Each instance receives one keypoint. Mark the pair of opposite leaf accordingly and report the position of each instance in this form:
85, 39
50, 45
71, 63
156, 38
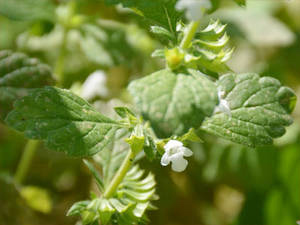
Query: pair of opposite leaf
173, 103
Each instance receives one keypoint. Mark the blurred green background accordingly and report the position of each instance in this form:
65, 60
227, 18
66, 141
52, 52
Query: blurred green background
224, 183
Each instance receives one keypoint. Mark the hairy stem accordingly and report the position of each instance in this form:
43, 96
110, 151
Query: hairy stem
119, 176
25, 161
189, 34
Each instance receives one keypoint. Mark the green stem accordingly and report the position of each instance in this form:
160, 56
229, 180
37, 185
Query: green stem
25, 161
60, 62
189, 34
119, 176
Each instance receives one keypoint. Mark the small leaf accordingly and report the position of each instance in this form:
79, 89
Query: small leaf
260, 109
37, 198
128, 205
160, 53
160, 31
65, 121
191, 135
137, 139
173, 103
18, 75
124, 112
78, 208
149, 146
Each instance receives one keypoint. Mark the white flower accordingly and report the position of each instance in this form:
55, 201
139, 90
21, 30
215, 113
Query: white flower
174, 152
223, 106
195, 9
95, 85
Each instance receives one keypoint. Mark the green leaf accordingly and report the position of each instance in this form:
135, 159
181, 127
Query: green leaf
29, 10
136, 139
106, 44
159, 12
174, 103
160, 31
65, 121
260, 109
210, 49
127, 206
124, 112
37, 198
18, 75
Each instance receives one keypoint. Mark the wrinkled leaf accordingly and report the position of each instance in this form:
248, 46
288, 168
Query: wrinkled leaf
18, 75
260, 109
65, 121
174, 103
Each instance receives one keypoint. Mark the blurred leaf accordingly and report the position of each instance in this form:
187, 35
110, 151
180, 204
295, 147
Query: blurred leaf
159, 12
65, 121
37, 198
174, 103
279, 210
30, 10
260, 109
18, 75
106, 45
254, 24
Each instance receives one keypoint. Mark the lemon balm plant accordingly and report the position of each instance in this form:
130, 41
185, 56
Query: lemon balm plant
195, 92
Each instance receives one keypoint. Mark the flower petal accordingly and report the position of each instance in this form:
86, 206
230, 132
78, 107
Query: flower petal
172, 144
186, 152
179, 164
165, 160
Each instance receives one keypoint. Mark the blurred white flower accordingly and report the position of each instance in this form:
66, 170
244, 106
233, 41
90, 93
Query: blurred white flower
195, 9
174, 152
95, 86
223, 106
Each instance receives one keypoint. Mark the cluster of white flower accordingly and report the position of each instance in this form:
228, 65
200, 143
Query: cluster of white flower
174, 152
95, 86
194, 9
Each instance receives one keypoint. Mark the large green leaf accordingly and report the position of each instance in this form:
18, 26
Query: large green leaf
65, 121
172, 102
18, 75
29, 10
260, 109
159, 12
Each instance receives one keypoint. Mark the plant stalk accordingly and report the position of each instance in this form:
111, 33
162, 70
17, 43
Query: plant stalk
119, 176
26, 158
189, 34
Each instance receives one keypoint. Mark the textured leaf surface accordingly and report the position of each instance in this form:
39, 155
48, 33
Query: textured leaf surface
18, 75
27, 9
65, 121
173, 103
260, 109
160, 12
